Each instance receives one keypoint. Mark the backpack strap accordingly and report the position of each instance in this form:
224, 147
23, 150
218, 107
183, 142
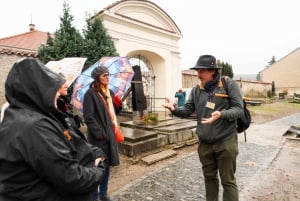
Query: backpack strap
224, 84
226, 89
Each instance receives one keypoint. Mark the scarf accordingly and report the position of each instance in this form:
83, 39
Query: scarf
211, 86
108, 103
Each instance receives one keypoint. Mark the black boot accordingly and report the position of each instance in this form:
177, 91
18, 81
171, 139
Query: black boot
105, 198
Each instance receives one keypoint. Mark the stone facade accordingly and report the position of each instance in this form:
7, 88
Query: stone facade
6, 62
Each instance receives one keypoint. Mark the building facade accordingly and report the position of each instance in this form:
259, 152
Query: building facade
146, 34
284, 73
140, 30
13, 48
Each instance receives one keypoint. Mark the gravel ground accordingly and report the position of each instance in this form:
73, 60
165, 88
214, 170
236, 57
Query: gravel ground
183, 180
262, 173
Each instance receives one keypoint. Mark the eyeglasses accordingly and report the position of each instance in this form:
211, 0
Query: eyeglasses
105, 75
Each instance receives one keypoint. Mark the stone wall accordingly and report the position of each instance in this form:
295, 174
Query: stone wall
255, 89
251, 89
6, 62
189, 79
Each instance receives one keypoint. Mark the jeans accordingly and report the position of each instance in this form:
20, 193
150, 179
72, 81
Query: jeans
103, 185
220, 158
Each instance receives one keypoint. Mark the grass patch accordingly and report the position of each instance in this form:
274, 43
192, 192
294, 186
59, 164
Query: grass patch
275, 108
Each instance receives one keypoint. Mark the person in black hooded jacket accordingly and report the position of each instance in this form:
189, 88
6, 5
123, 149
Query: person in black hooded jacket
41, 157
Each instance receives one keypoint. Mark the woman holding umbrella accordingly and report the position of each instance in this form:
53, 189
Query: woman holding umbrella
100, 106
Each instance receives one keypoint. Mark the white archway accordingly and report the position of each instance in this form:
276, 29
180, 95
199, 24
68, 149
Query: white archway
141, 29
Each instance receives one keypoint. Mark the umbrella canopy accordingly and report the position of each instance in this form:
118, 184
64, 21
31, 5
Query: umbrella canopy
121, 74
70, 67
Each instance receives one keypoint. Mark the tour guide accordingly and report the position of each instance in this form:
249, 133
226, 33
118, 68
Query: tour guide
216, 127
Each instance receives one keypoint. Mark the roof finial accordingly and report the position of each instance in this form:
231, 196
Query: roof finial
31, 26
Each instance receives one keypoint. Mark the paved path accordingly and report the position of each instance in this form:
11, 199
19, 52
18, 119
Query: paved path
182, 180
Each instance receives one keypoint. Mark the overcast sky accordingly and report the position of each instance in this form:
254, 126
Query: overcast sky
244, 33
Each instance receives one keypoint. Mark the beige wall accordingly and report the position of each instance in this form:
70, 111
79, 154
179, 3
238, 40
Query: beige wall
285, 73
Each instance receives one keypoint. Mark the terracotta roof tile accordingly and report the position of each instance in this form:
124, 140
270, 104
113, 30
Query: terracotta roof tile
18, 52
23, 44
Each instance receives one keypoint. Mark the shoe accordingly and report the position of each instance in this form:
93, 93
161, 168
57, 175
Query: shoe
105, 198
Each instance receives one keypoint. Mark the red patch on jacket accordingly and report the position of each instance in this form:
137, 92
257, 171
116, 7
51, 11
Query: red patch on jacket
117, 101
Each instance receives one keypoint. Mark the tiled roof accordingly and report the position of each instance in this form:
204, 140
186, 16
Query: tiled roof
18, 51
25, 44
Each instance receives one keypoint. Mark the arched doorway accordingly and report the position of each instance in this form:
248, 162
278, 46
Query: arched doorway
148, 80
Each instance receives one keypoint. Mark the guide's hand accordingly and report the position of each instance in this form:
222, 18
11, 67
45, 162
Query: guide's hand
214, 117
169, 105
98, 160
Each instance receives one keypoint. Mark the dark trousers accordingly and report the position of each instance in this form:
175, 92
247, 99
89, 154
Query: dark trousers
103, 186
220, 158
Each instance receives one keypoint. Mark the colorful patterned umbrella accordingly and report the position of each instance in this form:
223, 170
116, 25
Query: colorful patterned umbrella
121, 74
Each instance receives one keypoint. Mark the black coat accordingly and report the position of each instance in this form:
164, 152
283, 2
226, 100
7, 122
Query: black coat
99, 126
37, 160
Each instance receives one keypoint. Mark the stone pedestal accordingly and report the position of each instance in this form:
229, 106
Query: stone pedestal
140, 138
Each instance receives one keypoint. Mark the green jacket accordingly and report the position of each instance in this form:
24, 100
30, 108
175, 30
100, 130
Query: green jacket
225, 127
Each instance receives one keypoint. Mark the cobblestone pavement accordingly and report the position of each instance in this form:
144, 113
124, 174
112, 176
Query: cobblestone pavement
183, 181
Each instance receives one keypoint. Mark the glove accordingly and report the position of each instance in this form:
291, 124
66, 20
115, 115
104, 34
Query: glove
78, 120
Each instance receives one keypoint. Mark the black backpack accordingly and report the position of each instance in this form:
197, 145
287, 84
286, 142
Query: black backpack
243, 122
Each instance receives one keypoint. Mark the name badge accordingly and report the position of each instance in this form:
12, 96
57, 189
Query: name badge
210, 105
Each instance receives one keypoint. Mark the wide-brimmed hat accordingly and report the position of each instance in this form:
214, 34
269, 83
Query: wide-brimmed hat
206, 61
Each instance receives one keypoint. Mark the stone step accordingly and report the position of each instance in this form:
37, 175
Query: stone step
179, 136
141, 138
135, 148
135, 135
162, 123
190, 124
153, 158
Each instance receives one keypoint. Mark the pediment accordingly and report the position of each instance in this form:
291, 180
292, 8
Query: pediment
144, 12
